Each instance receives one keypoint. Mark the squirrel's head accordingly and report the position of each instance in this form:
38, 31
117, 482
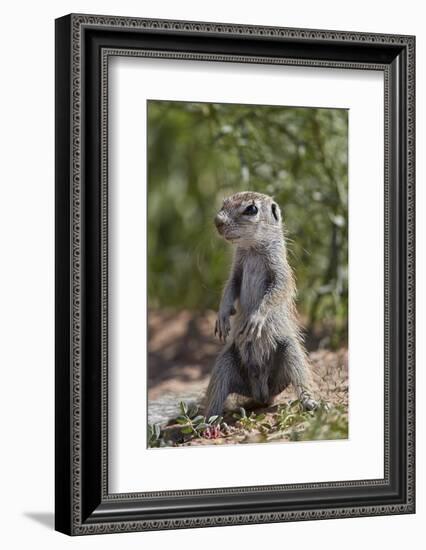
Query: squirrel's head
249, 219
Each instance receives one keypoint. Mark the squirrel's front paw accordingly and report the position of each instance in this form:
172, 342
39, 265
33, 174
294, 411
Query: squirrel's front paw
309, 404
252, 328
223, 325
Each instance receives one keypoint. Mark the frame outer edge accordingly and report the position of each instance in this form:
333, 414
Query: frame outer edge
77, 22
76, 269
63, 496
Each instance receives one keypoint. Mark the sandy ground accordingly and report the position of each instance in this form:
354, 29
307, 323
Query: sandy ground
181, 353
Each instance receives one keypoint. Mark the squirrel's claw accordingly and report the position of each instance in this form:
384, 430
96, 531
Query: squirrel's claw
220, 330
252, 328
222, 327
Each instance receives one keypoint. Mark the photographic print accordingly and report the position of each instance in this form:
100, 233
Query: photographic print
247, 273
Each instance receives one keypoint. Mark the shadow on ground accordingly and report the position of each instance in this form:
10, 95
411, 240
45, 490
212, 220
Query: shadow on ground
47, 519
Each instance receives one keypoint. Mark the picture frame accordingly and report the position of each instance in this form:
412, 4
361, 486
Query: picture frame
83, 503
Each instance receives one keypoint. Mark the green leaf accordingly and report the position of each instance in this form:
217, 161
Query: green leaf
213, 418
198, 419
186, 430
192, 410
183, 407
295, 406
201, 426
243, 412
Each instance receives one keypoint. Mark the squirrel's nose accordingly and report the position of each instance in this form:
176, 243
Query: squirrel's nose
219, 221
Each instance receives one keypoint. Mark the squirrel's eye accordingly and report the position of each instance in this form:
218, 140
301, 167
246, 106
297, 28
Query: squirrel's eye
251, 210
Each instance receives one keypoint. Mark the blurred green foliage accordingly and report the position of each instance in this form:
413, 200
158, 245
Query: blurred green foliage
199, 153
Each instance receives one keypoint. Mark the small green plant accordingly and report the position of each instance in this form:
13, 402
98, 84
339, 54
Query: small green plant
197, 425
154, 435
285, 422
252, 422
292, 414
325, 423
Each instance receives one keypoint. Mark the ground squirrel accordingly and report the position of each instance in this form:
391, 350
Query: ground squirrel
263, 350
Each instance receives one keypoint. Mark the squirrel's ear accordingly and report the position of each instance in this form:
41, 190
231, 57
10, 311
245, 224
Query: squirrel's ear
276, 211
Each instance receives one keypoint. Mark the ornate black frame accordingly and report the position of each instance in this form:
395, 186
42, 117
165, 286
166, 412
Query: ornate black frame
83, 46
